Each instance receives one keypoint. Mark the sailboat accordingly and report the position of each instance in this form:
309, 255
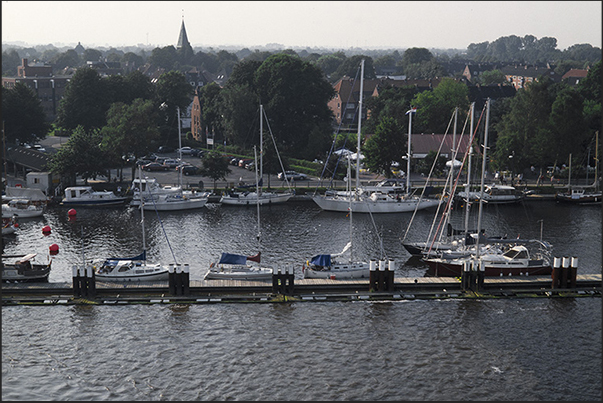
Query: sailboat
374, 201
239, 267
259, 196
173, 199
515, 259
327, 266
134, 268
583, 194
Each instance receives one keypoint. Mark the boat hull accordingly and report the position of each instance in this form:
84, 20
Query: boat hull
251, 199
162, 276
95, 203
239, 274
176, 205
338, 271
443, 268
365, 205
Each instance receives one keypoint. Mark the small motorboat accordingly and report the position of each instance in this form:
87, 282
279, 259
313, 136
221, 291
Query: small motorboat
22, 208
129, 269
86, 196
24, 269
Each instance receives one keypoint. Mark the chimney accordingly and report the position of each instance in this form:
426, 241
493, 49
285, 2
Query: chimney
24, 63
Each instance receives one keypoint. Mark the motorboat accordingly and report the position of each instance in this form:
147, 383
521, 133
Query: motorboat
238, 267
129, 269
495, 194
86, 196
24, 269
580, 195
183, 200
22, 208
9, 225
150, 187
329, 267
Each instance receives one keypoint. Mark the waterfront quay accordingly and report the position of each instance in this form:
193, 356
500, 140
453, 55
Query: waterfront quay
284, 288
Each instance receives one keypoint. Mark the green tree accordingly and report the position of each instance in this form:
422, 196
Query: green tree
81, 155
131, 132
85, 101
350, 67
164, 57
66, 59
173, 92
330, 63
209, 98
392, 102
385, 146
215, 166
10, 61
493, 77
22, 113
434, 108
295, 95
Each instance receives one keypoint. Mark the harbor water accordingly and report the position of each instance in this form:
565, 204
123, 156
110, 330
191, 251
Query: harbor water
448, 349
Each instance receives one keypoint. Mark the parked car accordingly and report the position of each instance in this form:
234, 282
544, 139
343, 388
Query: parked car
292, 176
244, 161
185, 150
165, 149
235, 161
250, 166
189, 170
171, 163
155, 166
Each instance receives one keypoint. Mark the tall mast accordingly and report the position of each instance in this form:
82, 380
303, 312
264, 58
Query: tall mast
261, 147
179, 149
359, 126
468, 187
481, 194
144, 244
408, 152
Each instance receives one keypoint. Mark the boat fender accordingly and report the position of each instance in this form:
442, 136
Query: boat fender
211, 265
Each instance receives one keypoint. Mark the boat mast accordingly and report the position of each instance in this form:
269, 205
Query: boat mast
596, 162
481, 193
258, 190
144, 244
179, 149
359, 127
468, 186
350, 203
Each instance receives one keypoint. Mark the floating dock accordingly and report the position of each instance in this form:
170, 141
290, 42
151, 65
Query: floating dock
284, 288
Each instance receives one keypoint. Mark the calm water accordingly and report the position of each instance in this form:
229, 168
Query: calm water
517, 349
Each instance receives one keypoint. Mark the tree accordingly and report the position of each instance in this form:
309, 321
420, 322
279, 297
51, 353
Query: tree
434, 108
85, 101
81, 155
23, 115
131, 132
392, 102
295, 95
493, 77
215, 166
67, 59
350, 67
209, 99
173, 91
385, 146
10, 61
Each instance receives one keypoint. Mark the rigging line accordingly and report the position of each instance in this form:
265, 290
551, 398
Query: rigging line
440, 226
429, 176
337, 134
276, 148
161, 223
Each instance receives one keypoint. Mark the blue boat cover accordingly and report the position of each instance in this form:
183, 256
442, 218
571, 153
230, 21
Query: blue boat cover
321, 260
112, 261
229, 258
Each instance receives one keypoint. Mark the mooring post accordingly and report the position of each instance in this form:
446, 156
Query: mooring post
389, 283
556, 273
186, 280
75, 274
91, 282
83, 282
373, 283
381, 276
171, 280
465, 276
573, 273
481, 273
275, 280
565, 263
290, 280
178, 279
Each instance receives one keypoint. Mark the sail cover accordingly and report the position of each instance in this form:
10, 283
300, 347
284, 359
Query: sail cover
229, 258
321, 260
142, 256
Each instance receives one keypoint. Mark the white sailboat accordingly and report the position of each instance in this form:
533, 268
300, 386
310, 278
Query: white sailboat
333, 266
174, 199
239, 267
131, 268
376, 201
259, 196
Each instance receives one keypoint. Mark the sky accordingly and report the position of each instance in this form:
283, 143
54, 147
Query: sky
336, 25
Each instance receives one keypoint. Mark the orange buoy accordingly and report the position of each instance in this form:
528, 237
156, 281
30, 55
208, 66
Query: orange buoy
46, 230
54, 249
72, 212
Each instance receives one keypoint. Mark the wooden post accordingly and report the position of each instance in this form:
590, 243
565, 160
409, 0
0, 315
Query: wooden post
373, 281
186, 280
83, 282
178, 280
91, 282
275, 280
76, 281
556, 273
290, 277
565, 263
573, 273
466, 276
171, 280
389, 275
481, 273
381, 276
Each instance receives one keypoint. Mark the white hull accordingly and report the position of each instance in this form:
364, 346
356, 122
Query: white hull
366, 205
239, 273
29, 212
127, 270
339, 272
163, 276
85, 196
246, 199
176, 203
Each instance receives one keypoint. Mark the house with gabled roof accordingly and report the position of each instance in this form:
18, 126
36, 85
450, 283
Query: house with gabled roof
522, 75
574, 76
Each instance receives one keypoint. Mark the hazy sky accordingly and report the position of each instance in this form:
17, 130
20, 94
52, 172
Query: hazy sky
336, 24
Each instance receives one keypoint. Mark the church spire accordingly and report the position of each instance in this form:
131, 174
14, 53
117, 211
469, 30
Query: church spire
183, 38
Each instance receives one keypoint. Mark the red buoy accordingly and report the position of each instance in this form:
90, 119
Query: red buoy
72, 212
46, 230
54, 249
16, 225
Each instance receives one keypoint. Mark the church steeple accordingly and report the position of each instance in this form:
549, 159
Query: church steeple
183, 38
